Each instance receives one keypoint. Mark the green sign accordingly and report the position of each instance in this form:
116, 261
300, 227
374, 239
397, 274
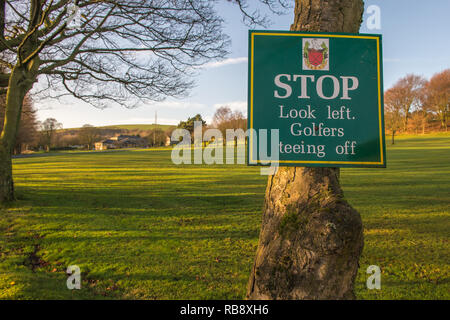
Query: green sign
324, 94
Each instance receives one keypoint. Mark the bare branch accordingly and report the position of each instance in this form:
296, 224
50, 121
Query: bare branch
123, 52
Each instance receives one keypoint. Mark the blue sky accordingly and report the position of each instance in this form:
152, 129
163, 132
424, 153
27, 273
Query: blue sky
415, 40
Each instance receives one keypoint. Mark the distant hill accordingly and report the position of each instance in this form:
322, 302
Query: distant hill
138, 126
143, 127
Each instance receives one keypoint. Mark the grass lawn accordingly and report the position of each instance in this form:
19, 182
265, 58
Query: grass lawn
140, 227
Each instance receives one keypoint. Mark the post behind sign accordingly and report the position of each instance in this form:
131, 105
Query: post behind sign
311, 238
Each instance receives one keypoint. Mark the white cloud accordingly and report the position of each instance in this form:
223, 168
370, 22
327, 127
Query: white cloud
234, 105
225, 62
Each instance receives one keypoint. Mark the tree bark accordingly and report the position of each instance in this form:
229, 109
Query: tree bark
6, 180
311, 238
20, 82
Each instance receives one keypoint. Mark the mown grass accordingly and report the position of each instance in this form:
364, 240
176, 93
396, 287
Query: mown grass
140, 227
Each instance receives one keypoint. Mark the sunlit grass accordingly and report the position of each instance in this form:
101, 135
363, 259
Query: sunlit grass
140, 227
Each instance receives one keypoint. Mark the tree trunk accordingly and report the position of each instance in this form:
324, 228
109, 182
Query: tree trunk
393, 134
311, 238
19, 84
6, 180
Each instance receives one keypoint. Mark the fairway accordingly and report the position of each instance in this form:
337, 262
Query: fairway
140, 227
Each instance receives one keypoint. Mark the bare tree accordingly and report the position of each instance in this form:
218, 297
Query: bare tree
156, 137
417, 120
437, 96
88, 135
103, 52
425, 112
48, 130
409, 92
393, 106
238, 120
222, 115
224, 118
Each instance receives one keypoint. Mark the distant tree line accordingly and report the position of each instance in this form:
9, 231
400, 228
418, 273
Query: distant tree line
417, 105
86, 136
34, 135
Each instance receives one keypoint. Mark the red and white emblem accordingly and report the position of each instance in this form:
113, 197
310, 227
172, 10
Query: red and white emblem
315, 54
